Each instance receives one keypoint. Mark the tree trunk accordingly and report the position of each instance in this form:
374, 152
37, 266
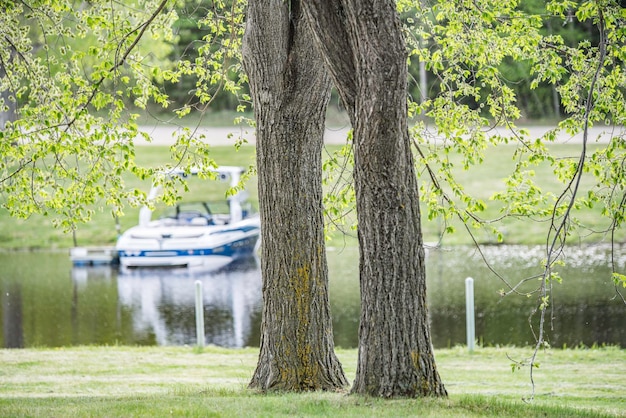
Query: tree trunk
290, 90
8, 115
395, 349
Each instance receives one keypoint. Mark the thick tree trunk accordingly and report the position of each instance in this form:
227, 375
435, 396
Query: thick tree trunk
290, 90
395, 350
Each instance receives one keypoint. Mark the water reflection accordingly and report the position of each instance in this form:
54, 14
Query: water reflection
12, 328
584, 307
160, 303
46, 302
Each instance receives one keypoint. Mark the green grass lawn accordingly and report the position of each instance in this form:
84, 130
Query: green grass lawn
481, 181
181, 381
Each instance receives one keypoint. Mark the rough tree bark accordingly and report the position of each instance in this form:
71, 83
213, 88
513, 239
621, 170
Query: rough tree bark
290, 90
362, 43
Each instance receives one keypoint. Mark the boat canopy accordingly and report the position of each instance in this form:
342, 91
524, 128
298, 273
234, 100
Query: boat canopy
224, 173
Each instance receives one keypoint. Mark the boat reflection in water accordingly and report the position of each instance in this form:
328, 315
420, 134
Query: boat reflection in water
163, 303
160, 304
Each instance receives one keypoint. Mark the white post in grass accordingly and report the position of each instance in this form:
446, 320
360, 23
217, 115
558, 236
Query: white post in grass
199, 315
469, 313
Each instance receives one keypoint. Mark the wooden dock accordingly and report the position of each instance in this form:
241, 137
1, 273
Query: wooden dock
94, 256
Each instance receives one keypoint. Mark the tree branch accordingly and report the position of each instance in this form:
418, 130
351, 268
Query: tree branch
142, 29
554, 247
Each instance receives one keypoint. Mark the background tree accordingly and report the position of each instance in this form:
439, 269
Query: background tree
290, 90
206, 54
362, 43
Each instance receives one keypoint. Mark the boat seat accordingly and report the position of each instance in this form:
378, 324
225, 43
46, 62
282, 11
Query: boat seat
199, 221
166, 222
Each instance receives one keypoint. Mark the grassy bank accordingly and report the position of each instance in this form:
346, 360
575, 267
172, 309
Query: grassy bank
481, 182
180, 381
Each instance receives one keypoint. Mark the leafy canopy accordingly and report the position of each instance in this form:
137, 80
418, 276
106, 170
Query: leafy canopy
74, 79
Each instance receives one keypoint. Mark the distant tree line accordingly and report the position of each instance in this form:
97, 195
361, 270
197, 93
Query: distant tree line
194, 39
535, 102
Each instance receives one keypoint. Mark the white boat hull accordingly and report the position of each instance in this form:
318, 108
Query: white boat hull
210, 248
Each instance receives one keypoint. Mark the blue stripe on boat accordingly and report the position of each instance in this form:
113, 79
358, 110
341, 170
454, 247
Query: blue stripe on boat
234, 249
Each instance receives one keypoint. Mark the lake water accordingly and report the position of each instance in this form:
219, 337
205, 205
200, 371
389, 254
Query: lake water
47, 302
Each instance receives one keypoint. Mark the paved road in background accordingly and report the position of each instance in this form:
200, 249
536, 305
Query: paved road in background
228, 136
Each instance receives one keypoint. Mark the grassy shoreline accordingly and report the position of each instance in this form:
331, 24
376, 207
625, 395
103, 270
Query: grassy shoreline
37, 232
182, 381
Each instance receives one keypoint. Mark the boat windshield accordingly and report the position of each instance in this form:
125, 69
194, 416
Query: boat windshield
185, 210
